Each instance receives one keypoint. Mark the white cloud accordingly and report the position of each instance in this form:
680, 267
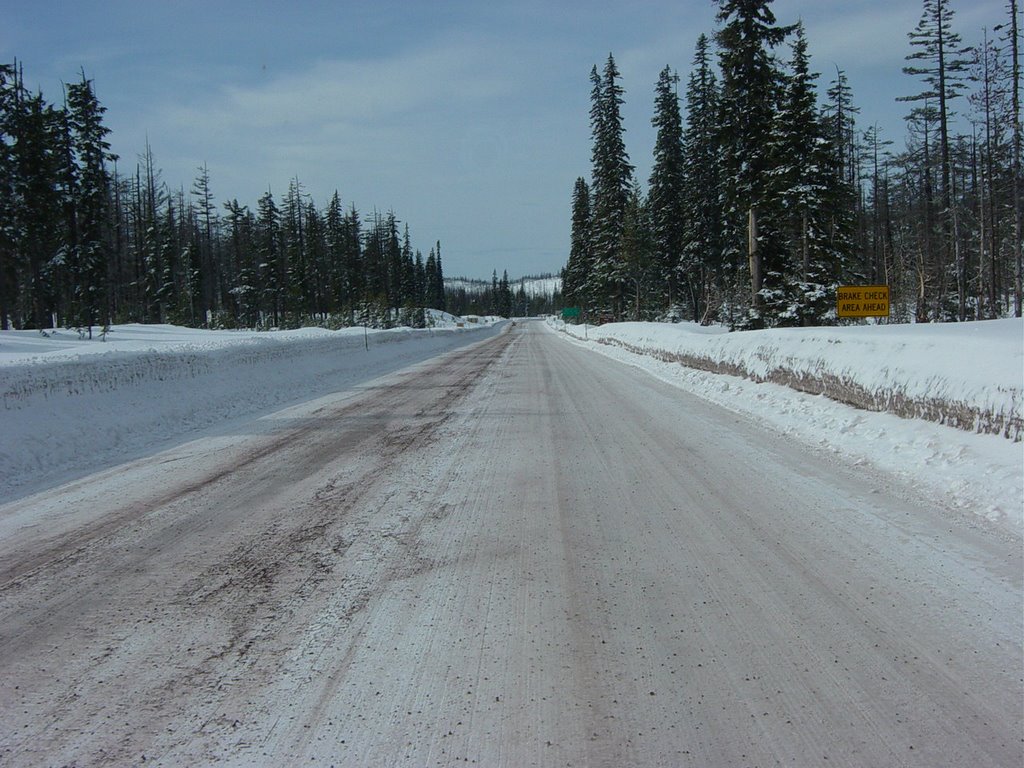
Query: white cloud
449, 136
331, 119
343, 93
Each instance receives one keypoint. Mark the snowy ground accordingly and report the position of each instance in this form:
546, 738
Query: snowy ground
518, 553
951, 368
72, 406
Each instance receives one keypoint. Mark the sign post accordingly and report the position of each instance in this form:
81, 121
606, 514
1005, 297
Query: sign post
862, 301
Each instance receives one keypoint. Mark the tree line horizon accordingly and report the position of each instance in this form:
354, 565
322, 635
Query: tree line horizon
83, 245
759, 204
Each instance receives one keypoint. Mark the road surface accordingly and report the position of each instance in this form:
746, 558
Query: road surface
518, 554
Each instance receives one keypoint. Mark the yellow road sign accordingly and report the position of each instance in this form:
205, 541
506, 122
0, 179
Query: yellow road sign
862, 301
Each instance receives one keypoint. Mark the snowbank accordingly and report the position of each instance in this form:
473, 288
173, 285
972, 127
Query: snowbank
69, 406
965, 375
952, 369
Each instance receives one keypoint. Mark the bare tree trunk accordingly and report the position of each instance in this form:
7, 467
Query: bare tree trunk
960, 262
981, 187
1014, 47
756, 265
805, 249
4, 310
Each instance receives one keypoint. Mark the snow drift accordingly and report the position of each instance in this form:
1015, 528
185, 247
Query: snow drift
973, 368
963, 375
70, 406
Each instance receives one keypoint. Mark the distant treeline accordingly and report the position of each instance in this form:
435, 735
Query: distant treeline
503, 297
83, 244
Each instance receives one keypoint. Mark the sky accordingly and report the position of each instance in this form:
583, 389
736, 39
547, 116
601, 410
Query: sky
468, 119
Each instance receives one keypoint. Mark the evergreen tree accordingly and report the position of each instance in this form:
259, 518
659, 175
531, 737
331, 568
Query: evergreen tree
666, 196
9, 208
843, 180
375, 247
840, 115
420, 288
270, 274
611, 183
148, 197
83, 247
67, 269
293, 234
432, 298
439, 290
701, 261
782, 200
421, 280
938, 59
205, 243
317, 270
38, 169
242, 264
878, 232
393, 263
173, 301
639, 252
801, 176
408, 280
355, 274
92, 151
576, 278
751, 86
504, 296
338, 287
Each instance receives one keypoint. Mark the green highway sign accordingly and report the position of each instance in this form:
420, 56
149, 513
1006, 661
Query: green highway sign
570, 312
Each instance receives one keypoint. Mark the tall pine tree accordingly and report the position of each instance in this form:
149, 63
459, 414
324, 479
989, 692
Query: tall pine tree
801, 176
751, 87
42, 244
576, 285
9, 204
666, 189
938, 59
611, 183
271, 275
206, 241
701, 265
92, 151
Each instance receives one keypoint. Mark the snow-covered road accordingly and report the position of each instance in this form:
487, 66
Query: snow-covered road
518, 554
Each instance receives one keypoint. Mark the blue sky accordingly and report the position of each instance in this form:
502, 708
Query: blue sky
469, 119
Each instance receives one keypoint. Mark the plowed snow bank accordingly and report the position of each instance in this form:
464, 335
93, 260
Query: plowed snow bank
69, 406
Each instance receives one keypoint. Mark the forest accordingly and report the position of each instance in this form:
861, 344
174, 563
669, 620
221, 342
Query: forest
767, 192
529, 296
83, 245
768, 195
